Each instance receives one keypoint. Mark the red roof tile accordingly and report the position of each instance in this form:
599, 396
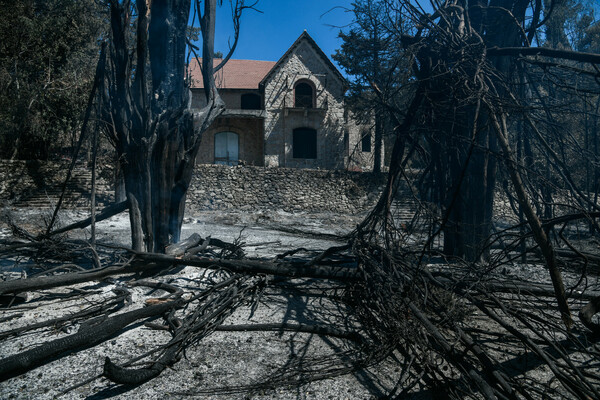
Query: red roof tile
236, 74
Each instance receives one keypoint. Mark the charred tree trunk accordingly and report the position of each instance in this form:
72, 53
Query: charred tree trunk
156, 133
463, 137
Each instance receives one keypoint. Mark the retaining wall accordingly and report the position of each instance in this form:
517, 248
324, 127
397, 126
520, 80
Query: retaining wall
35, 183
214, 187
217, 187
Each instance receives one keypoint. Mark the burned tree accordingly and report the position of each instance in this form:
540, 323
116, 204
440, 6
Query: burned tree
147, 104
468, 58
468, 62
457, 327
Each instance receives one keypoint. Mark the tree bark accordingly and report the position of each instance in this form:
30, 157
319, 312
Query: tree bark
156, 134
88, 336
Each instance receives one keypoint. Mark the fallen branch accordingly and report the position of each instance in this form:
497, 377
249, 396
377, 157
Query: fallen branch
106, 213
287, 327
108, 305
540, 236
257, 267
196, 326
89, 335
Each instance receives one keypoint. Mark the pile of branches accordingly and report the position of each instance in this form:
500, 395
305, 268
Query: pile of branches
458, 329
466, 332
229, 280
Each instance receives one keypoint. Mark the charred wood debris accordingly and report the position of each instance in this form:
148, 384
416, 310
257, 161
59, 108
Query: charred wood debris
456, 328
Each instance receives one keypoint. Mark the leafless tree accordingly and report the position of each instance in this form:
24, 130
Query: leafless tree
489, 157
147, 101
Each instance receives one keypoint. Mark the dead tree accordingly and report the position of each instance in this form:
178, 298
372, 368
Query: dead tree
147, 105
467, 56
462, 53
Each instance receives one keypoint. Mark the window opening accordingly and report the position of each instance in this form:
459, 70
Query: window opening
303, 95
366, 142
251, 101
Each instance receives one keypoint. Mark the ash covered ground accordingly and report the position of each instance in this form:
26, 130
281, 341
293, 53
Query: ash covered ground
225, 364
220, 364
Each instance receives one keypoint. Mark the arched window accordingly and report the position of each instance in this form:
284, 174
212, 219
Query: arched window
304, 143
303, 95
251, 101
226, 148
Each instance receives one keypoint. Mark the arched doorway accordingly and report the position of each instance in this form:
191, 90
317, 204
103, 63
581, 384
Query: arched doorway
226, 148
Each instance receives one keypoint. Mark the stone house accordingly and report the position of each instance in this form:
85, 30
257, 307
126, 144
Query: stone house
289, 113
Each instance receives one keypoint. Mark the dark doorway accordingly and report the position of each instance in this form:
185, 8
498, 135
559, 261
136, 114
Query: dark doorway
304, 143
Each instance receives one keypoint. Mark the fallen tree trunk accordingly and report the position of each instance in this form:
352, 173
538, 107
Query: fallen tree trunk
179, 249
48, 282
106, 213
108, 305
89, 335
154, 261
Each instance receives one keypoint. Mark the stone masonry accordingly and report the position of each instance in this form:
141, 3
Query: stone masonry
217, 187
214, 187
327, 117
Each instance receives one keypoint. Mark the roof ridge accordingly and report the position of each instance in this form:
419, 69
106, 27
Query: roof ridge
319, 51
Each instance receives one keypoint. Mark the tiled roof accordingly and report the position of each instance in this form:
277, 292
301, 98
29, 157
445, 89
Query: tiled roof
236, 74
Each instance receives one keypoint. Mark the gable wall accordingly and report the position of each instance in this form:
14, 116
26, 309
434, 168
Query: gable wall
328, 118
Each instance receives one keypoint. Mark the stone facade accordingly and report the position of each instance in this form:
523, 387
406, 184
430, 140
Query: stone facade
272, 134
304, 65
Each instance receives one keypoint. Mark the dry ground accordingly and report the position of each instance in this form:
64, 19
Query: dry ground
223, 364
222, 360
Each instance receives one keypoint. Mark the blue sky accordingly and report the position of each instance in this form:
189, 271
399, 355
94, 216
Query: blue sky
267, 35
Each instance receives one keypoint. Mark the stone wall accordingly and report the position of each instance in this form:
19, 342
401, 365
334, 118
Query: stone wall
214, 187
35, 183
217, 187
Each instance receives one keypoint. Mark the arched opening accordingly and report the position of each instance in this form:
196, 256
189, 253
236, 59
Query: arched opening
226, 148
251, 101
303, 95
304, 143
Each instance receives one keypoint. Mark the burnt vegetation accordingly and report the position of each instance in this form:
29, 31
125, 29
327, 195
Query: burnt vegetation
489, 291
